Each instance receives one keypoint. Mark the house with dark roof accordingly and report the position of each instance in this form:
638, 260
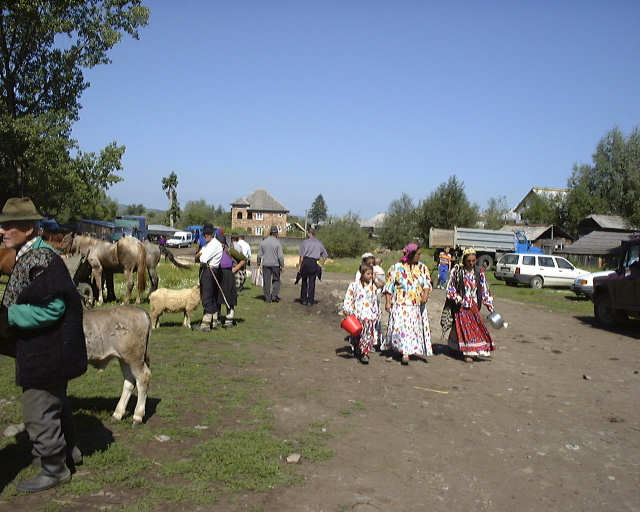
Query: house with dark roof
601, 236
256, 213
596, 222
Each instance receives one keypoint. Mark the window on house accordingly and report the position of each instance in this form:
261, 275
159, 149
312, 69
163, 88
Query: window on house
239, 216
259, 216
249, 215
279, 215
258, 230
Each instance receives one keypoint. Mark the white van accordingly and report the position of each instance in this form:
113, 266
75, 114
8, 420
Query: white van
180, 239
537, 270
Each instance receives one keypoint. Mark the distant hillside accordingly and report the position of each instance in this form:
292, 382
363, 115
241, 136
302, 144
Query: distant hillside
122, 208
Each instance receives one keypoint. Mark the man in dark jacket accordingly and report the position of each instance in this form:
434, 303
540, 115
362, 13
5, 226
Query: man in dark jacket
41, 326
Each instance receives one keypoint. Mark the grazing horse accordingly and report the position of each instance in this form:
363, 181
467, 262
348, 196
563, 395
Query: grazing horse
7, 260
153, 258
127, 255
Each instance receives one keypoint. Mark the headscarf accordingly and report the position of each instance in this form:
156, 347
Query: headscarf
409, 248
367, 255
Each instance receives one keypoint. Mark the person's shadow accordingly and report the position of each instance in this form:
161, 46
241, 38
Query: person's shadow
93, 436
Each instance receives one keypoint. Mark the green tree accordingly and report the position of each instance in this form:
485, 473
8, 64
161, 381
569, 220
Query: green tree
343, 237
542, 210
197, 212
400, 225
446, 207
44, 49
610, 185
169, 185
135, 209
496, 213
318, 211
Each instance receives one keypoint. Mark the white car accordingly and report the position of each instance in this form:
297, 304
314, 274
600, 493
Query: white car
180, 239
537, 270
583, 285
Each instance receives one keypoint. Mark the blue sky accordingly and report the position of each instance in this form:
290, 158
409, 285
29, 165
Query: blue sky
363, 100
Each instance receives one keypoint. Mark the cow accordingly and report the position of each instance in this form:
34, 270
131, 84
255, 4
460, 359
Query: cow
121, 332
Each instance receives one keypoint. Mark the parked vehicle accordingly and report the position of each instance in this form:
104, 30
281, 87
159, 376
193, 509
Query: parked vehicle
196, 231
180, 239
537, 270
617, 296
133, 225
489, 244
583, 285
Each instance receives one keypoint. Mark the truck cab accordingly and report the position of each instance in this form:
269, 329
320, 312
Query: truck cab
617, 296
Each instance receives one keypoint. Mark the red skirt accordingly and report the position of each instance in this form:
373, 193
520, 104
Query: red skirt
469, 335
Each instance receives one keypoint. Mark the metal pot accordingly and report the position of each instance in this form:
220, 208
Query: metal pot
496, 320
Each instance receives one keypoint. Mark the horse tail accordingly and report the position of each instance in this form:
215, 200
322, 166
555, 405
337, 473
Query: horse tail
167, 253
142, 269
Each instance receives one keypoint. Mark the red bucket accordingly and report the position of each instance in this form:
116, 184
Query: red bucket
352, 325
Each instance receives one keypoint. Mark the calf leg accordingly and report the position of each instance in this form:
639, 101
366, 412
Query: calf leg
127, 389
142, 376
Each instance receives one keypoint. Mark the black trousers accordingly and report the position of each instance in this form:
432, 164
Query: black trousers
309, 271
208, 291
271, 276
48, 420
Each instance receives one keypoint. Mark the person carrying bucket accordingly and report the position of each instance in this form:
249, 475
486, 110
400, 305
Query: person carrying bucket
362, 302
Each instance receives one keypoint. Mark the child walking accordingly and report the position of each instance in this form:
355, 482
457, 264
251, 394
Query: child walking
361, 300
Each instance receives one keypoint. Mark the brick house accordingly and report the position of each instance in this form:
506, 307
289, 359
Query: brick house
257, 212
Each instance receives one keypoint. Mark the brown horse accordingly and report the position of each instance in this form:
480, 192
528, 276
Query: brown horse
127, 255
7, 260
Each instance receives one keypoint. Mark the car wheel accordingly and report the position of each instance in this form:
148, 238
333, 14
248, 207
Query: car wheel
536, 282
602, 310
485, 261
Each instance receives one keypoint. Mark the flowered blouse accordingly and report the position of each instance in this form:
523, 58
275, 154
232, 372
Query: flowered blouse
361, 301
407, 282
470, 288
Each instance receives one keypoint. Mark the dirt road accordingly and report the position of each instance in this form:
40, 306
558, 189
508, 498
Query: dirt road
551, 423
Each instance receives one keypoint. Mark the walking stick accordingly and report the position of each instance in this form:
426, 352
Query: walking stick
220, 288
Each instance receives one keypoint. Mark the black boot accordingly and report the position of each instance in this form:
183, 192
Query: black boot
54, 472
74, 458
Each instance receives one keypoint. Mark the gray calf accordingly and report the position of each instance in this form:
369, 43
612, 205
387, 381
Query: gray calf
121, 332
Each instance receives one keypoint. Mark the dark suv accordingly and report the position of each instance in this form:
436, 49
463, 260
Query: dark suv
617, 296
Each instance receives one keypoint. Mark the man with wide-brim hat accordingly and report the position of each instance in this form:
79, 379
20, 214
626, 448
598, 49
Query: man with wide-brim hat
41, 326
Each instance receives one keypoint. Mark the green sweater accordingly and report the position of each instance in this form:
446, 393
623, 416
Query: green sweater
28, 316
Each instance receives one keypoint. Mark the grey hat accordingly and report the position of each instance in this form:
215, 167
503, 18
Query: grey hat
273, 230
19, 208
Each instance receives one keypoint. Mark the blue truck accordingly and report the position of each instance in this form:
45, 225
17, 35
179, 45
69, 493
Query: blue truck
133, 225
489, 244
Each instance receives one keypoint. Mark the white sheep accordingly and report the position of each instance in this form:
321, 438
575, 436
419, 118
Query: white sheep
173, 301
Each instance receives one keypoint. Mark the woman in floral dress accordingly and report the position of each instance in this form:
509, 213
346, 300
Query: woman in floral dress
406, 293
361, 300
468, 289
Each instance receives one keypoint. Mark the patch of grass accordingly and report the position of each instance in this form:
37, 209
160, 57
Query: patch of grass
238, 460
351, 265
561, 300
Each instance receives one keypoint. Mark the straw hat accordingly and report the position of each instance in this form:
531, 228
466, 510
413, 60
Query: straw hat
19, 208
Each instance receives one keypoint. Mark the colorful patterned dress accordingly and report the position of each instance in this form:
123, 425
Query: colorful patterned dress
408, 330
362, 301
468, 334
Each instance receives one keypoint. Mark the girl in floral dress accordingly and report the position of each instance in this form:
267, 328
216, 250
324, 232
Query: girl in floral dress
468, 288
409, 284
361, 301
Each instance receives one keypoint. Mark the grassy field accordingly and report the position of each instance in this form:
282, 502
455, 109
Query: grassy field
204, 395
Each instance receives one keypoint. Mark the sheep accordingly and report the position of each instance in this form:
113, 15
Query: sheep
173, 301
